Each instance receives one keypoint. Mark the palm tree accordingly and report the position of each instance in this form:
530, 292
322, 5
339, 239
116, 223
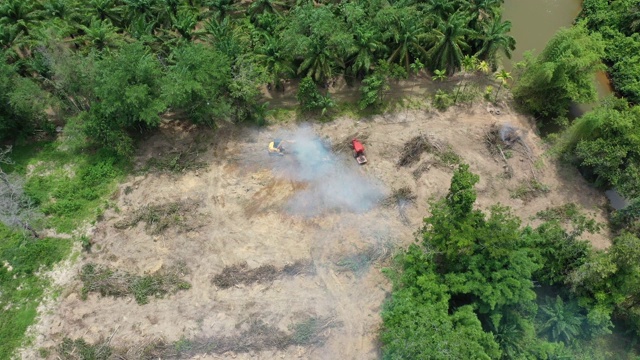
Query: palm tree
503, 76
106, 9
366, 45
318, 61
481, 10
483, 67
407, 36
562, 321
495, 39
450, 39
100, 34
20, 13
184, 22
441, 8
258, 7
275, 59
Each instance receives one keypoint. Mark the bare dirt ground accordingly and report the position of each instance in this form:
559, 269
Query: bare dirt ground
243, 217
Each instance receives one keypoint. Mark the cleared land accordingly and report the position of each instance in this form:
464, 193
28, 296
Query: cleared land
277, 265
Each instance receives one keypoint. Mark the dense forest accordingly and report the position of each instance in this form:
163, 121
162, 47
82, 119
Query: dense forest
475, 285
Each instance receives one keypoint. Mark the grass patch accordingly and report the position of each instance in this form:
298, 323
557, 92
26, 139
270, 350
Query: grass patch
159, 218
241, 274
21, 289
529, 190
110, 282
68, 187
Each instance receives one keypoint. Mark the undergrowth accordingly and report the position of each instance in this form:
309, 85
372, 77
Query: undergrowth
110, 282
21, 289
69, 187
529, 190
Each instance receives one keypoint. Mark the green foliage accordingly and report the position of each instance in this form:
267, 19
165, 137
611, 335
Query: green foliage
617, 21
22, 103
310, 97
375, 86
442, 100
417, 321
606, 141
197, 82
561, 321
20, 287
128, 87
562, 73
628, 218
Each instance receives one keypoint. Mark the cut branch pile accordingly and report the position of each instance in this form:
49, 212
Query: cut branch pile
413, 149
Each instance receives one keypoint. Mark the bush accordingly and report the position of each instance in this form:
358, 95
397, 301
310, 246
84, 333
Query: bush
310, 98
442, 100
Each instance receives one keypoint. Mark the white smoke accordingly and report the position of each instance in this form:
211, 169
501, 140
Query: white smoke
333, 183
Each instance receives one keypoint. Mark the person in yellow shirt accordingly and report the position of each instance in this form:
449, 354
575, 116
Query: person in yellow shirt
276, 147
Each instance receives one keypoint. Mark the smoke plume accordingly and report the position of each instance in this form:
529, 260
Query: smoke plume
333, 182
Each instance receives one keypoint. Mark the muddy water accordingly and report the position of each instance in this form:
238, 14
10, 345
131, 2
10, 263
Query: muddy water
533, 23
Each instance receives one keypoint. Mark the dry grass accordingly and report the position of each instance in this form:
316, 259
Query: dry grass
255, 336
241, 274
158, 218
110, 282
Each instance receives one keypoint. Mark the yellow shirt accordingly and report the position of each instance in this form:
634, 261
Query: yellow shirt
272, 147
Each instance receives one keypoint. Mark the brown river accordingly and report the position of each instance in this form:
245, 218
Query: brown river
535, 21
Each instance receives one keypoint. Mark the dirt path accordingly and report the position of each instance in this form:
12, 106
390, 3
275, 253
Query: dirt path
242, 201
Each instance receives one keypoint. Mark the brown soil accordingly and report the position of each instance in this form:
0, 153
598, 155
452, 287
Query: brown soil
242, 200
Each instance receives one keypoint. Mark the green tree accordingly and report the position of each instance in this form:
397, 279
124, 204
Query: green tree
606, 141
100, 34
22, 103
495, 39
319, 39
310, 98
375, 86
562, 321
562, 74
197, 82
406, 35
450, 39
128, 96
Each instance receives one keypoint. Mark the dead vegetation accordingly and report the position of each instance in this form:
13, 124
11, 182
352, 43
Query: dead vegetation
413, 149
360, 261
241, 274
401, 198
421, 169
178, 160
255, 336
158, 218
110, 282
